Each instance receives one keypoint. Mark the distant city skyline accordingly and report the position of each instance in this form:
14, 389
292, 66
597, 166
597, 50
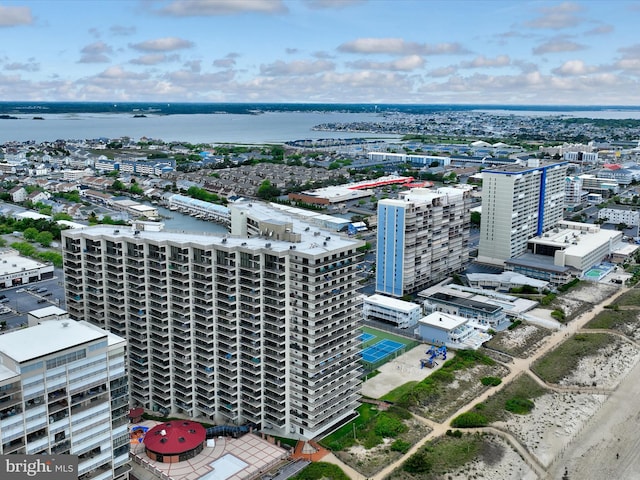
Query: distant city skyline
322, 51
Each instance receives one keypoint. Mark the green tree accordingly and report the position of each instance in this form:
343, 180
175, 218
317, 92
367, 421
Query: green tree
30, 234
44, 238
118, 186
266, 191
475, 219
62, 216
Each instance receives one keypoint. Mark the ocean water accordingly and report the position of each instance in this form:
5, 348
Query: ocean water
251, 123
268, 127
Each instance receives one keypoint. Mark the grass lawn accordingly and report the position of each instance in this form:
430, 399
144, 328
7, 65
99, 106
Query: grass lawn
321, 470
441, 456
397, 393
493, 409
612, 319
560, 362
344, 436
629, 299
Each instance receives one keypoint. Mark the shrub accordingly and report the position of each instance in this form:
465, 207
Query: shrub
558, 314
400, 446
417, 463
388, 426
490, 381
469, 420
514, 324
519, 405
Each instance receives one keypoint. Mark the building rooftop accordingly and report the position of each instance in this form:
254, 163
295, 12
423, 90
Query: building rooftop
47, 312
443, 321
465, 302
314, 240
393, 303
538, 262
175, 437
46, 338
12, 262
515, 169
576, 241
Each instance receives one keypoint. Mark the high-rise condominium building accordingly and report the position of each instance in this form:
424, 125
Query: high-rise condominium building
260, 326
422, 238
518, 203
63, 390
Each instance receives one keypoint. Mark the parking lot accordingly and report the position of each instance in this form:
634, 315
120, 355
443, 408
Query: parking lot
22, 299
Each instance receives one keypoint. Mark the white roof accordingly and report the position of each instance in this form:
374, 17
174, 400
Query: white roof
47, 312
575, 242
46, 338
443, 321
626, 249
392, 303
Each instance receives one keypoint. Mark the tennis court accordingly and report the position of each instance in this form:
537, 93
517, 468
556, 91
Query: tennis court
380, 350
365, 337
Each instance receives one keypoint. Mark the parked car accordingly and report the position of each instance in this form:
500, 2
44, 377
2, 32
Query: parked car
4, 300
2, 297
42, 300
21, 290
48, 294
41, 290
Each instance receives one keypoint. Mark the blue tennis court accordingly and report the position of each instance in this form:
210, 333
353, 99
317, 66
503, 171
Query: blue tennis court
365, 337
380, 350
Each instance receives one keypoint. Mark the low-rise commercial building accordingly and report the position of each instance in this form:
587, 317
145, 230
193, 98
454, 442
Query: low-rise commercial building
393, 311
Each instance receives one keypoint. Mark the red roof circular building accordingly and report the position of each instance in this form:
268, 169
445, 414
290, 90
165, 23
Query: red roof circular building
175, 441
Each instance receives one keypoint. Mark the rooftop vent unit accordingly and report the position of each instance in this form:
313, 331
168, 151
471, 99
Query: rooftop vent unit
267, 245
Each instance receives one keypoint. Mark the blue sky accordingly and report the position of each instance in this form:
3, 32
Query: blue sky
316, 51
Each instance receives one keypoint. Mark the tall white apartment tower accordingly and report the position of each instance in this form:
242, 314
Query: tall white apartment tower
422, 238
518, 203
63, 390
259, 326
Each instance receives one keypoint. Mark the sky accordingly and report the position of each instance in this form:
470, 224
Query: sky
511, 52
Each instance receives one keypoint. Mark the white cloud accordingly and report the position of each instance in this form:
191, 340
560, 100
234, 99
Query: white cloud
201, 8
13, 16
121, 30
630, 65
298, 67
482, 62
557, 17
443, 71
97, 52
575, 67
557, 45
118, 73
332, 4
227, 62
408, 63
166, 44
600, 30
154, 59
397, 46
30, 66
